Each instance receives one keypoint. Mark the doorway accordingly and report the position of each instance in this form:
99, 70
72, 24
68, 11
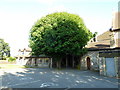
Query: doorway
88, 63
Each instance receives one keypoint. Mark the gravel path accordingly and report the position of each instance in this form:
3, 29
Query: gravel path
52, 78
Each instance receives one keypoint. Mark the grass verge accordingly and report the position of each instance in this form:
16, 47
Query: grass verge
11, 66
14, 66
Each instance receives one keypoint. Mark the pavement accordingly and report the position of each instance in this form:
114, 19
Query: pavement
53, 78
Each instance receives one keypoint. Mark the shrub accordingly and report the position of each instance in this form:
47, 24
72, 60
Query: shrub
11, 59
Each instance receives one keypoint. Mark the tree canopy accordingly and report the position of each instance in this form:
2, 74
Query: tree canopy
4, 49
59, 34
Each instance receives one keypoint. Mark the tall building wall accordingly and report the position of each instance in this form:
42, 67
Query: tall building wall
115, 37
116, 21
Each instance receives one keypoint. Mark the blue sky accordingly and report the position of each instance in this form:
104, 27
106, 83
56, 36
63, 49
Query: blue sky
18, 16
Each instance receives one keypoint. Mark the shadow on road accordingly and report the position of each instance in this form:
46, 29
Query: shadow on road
52, 78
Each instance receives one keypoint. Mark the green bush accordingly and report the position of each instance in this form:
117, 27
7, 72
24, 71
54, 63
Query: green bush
11, 59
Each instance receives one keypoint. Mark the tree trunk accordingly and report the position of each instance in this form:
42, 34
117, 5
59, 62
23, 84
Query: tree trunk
80, 62
60, 64
9, 54
73, 61
66, 62
2, 55
57, 64
36, 62
51, 63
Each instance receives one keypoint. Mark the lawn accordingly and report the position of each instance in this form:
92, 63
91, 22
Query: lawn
10, 66
13, 66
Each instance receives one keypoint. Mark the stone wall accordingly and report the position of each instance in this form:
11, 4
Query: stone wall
102, 66
99, 63
40, 62
94, 60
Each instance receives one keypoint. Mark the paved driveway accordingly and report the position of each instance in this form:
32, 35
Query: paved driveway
52, 78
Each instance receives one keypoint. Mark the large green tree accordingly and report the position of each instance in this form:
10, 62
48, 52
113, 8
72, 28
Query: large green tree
59, 34
4, 49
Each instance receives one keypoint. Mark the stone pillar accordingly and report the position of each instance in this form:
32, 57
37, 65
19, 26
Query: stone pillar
101, 66
33, 62
104, 66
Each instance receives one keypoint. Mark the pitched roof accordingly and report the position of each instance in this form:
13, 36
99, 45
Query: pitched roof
103, 41
105, 36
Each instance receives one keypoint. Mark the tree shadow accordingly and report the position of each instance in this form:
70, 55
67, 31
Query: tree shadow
52, 78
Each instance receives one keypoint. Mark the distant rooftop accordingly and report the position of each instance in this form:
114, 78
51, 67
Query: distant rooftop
25, 49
